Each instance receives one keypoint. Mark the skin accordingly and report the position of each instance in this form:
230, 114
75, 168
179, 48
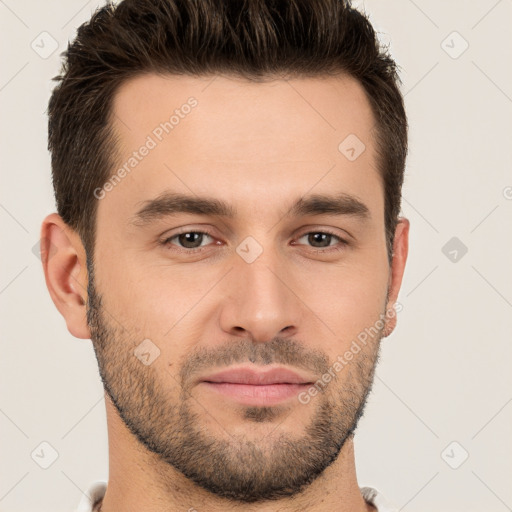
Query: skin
259, 147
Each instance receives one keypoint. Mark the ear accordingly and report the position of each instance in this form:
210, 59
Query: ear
65, 272
400, 251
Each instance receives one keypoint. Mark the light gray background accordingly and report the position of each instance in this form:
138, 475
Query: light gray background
445, 372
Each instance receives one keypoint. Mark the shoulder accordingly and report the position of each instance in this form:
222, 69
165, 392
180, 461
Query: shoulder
376, 499
94, 493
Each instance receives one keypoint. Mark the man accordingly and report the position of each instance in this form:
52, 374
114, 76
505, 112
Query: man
228, 179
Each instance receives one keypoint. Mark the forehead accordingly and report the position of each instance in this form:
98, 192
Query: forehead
274, 110
241, 138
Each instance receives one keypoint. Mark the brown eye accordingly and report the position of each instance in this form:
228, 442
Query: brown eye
187, 240
322, 240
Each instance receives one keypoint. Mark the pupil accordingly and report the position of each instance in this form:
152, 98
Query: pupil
326, 238
190, 238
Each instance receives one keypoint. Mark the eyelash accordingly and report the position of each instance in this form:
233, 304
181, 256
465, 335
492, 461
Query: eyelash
340, 247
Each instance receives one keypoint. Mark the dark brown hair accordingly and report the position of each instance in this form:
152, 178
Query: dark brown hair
254, 39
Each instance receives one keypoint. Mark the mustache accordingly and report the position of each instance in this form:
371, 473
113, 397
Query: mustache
283, 351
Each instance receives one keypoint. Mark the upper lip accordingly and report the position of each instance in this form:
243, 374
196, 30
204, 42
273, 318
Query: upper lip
257, 377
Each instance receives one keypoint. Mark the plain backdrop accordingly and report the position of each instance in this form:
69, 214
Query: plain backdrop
436, 432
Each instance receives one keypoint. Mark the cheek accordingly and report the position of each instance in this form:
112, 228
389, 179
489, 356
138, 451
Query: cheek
348, 301
159, 302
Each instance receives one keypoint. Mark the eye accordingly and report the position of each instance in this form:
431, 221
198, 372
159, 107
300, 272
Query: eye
196, 241
188, 240
321, 241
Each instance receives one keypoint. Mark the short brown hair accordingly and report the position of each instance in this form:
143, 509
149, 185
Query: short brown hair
254, 39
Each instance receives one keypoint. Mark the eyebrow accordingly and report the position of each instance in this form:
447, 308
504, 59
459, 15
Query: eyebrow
168, 204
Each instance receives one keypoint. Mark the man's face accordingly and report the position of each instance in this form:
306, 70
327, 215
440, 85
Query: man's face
269, 286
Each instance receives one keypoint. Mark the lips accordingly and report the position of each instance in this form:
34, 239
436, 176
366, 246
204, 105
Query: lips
249, 386
257, 378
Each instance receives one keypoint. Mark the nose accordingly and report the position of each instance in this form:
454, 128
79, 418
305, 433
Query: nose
260, 301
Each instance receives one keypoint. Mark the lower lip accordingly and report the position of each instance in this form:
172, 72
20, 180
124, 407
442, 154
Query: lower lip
249, 394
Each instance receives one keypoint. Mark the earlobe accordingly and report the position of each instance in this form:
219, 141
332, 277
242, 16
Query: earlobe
400, 251
64, 264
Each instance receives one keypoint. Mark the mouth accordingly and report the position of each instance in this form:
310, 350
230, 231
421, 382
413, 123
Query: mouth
249, 386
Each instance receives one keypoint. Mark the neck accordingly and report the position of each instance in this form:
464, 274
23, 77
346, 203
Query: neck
140, 482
